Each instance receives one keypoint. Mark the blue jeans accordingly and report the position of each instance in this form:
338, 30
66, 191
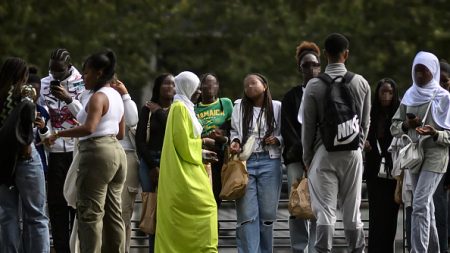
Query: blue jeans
144, 178
302, 232
30, 186
257, 209
144, 172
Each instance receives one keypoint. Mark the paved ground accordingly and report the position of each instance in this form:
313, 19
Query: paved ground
227, 217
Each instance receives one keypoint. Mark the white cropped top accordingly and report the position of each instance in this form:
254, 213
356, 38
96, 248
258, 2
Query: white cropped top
109, 123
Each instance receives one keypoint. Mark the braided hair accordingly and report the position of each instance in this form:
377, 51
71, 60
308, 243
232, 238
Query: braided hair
61, 54
13, 74
267, 108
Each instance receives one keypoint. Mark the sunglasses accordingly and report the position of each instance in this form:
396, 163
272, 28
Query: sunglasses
307, 65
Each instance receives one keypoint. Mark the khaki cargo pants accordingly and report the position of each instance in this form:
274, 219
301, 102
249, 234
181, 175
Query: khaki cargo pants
101, 175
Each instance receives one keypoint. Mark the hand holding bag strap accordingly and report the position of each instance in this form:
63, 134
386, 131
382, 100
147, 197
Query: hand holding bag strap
406, 139
147, 136
226, 155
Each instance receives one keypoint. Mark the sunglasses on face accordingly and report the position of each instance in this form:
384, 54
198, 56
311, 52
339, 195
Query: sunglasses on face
307, 65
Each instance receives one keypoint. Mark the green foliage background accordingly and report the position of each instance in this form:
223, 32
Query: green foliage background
230, 37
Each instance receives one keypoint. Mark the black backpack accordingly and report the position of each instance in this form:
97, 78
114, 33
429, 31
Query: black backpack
340, 128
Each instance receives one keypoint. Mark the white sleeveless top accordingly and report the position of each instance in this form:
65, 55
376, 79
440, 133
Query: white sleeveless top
109, 123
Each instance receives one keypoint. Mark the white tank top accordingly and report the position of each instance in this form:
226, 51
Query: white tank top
109, 123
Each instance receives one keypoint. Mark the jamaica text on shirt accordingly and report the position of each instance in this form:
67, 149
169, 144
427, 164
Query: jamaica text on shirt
210, 113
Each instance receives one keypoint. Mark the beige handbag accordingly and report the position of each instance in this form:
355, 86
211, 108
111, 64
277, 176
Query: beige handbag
70, 184
299, 200
247, 149
147, 223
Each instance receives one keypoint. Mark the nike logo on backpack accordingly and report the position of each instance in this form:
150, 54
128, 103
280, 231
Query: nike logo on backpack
347, 131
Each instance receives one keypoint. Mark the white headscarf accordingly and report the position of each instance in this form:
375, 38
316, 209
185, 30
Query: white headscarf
417, 95
186, 83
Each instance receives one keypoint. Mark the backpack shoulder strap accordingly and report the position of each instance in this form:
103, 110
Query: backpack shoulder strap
325, 78
349, 76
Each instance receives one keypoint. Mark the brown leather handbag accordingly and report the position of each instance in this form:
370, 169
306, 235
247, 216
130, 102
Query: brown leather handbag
299, 200
234, 177
147, 223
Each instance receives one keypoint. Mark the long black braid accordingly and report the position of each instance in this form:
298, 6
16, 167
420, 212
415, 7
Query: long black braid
13, 74
247, 112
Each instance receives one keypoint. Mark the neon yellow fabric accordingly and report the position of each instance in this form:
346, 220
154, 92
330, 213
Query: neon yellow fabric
186, 209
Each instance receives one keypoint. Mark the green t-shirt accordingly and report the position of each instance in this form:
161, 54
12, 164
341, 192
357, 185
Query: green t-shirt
214, 115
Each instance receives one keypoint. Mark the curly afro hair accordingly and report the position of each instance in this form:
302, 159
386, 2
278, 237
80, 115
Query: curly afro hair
307, 47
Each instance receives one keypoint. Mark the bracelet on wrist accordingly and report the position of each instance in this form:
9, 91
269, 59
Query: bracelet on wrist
57, 134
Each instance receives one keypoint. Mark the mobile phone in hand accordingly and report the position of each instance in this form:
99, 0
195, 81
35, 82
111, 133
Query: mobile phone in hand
54, 83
